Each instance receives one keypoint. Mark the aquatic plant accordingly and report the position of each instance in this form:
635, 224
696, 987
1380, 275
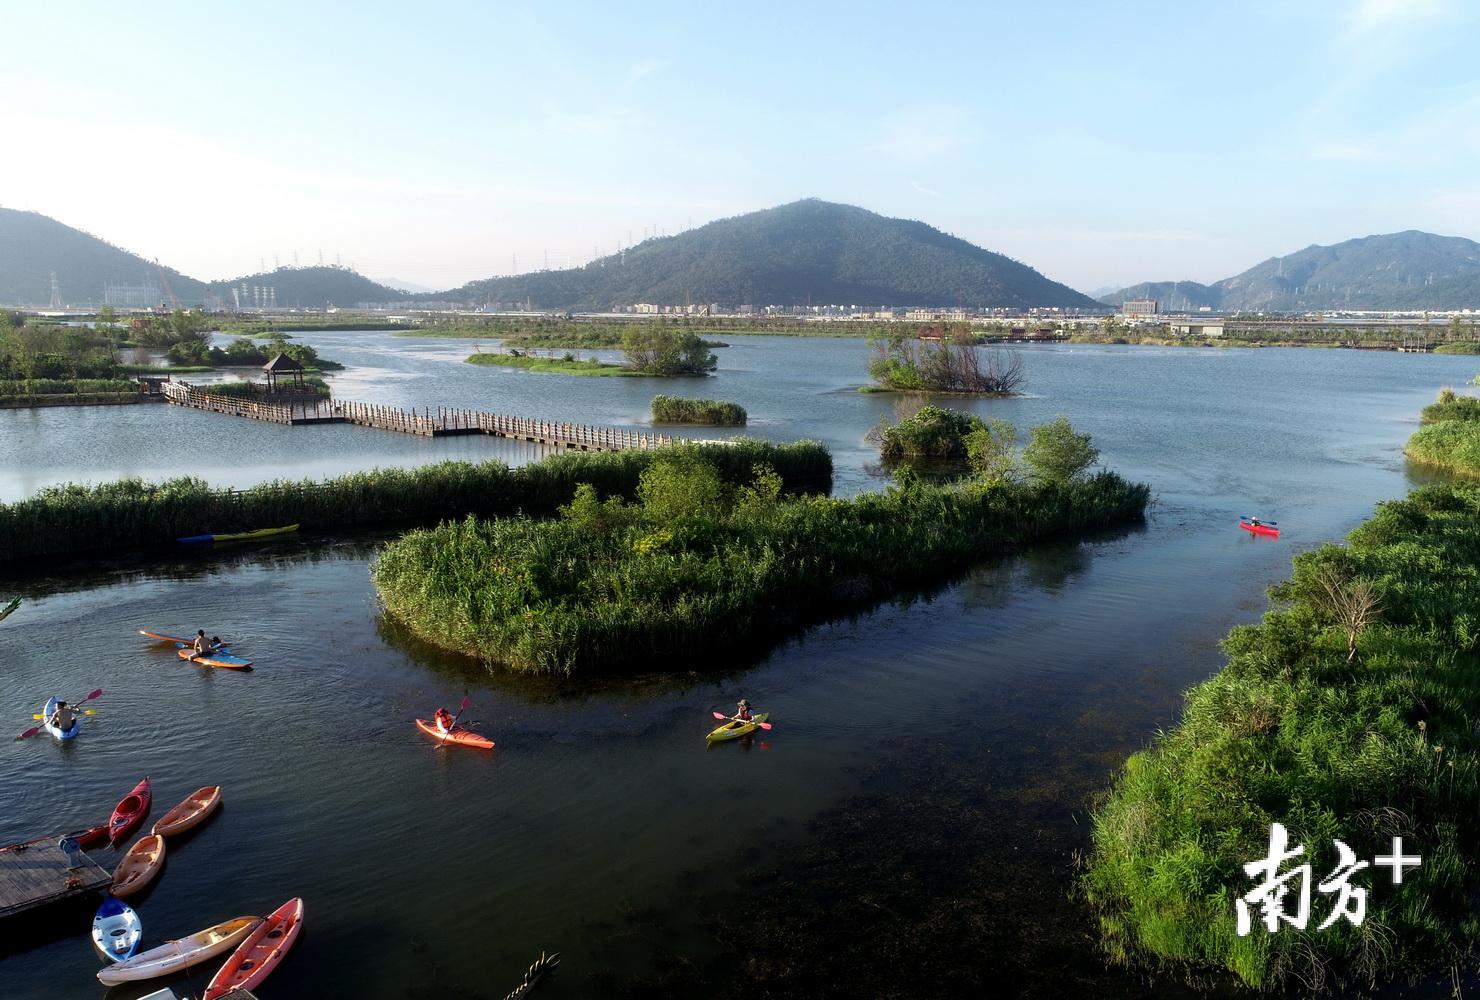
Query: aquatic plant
677, 410
1347, 713
699, 564
129, 513
1450, 435
553, 366
70, 386
929, 432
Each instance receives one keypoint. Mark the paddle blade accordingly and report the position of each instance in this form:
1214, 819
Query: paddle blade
29, 733
764, 725
96, 694
717, 715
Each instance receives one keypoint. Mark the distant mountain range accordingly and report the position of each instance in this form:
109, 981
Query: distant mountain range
1407, 270
808, 251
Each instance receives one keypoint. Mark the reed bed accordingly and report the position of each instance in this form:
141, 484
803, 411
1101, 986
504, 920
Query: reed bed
678, 410
130, 513
65, 386
1450, 435
1357, 734
699, 566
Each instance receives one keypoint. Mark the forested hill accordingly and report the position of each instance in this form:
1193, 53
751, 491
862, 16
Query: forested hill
34, 247
808, 251
311, 288
1407, 270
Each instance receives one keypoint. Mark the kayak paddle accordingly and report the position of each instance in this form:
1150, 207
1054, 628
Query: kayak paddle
731, 718
36, 729
85, 711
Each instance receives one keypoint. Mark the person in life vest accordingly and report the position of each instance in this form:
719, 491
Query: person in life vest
443, 719
743, 713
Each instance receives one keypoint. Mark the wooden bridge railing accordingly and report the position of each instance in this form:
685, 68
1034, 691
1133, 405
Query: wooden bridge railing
185, 394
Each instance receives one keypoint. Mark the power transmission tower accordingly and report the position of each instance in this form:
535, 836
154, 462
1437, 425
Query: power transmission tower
56, 292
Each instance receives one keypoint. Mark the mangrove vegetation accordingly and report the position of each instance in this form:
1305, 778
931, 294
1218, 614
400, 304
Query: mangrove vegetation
1348, 713
677, 410
700, 564
130, 513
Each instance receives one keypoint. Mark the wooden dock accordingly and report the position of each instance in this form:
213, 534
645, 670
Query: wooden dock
441, 422
35, 874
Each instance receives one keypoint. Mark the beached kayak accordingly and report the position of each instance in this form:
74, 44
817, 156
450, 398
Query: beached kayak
733, 729
220, 658
130, 812
116, 930
239, 536
1260, 529
61, 734
198, 805
466, 737
260, 951
139, 866
173, 956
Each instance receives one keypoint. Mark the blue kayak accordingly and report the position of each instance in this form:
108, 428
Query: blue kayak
116, 930
68, 734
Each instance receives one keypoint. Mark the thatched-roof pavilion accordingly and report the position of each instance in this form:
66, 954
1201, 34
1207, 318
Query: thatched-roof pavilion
280, 366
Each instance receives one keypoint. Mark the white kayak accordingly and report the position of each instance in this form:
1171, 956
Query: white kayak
116, 930
172, 956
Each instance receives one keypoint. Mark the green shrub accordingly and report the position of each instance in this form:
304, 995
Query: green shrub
930, 432
1057, 453
675, 410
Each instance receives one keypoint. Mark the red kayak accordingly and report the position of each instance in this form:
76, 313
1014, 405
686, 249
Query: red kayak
259, 953
96, 837
129, 813
1259, 528
466, 737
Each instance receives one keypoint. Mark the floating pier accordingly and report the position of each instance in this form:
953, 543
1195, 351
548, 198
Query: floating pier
441, 422
35, 874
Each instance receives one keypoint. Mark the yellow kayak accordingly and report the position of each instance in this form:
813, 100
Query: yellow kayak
733, 730
240, 536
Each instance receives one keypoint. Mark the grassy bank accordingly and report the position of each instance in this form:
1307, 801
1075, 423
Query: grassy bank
1450, 435
551, 366
1336, 729
54, 386
676, 410
130, 513
699, 566
1459, 347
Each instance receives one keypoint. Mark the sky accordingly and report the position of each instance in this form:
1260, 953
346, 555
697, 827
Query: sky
439, 142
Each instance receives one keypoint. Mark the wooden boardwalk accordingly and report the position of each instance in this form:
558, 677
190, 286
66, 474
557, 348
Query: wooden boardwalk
35, 874
441, 422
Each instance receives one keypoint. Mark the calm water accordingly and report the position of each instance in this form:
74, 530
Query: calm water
428, 869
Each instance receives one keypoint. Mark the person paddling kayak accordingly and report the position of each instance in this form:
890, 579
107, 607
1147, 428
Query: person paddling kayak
203, 646
444, 720
743, 712
63, 718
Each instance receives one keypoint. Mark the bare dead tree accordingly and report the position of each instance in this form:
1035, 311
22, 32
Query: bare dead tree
1354, 604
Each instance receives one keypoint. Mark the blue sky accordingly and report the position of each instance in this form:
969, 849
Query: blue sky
440, 142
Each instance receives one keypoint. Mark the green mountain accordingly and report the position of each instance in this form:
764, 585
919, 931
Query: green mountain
808, 251
33, 248
305, 288
1407, 270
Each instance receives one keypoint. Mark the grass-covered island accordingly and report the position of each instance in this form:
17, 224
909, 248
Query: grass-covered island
653, 352
941, 359
677, 410
698, 565
1349, 713
1450, 435
565, 365
130, 513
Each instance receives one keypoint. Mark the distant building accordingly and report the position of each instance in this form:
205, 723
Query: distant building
1199, 328
1136, 308
645, 307
936, 315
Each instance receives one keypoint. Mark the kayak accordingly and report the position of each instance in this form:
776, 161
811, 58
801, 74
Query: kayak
260, 951
62, 734
198, 805
173, 956
116, 930
1260, 529
96, 837
466, 737
734, 729
239, 536
164, 638
139, 866
129, 812
220, 658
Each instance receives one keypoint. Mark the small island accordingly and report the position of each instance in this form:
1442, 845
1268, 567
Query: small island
941, 360
677, 410
653, 353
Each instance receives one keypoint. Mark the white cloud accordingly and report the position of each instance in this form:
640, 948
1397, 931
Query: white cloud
1371, 16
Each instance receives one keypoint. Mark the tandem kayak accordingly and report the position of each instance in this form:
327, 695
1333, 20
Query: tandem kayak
62, 734
239, 536
220, 658
734, 729
466, 737
116, 930
172, 956
1259, 529
260, 951
130, 812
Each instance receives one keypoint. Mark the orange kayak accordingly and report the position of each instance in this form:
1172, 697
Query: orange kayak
198, 805
260, 952
466, 737
217, 659
139, 866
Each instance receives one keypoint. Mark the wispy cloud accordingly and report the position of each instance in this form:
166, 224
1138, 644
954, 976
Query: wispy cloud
639, 70
925, 190
1368, 17
923, 136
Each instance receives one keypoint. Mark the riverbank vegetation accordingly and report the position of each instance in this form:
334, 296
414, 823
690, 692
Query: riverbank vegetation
543, 331
1347, 713
699, 564
676, 410
1459, 347
1450, 435
952, 445
245, 352
568, 364
130, 513
937, 361
654, 353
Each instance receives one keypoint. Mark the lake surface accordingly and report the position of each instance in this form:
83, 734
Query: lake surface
601, 827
